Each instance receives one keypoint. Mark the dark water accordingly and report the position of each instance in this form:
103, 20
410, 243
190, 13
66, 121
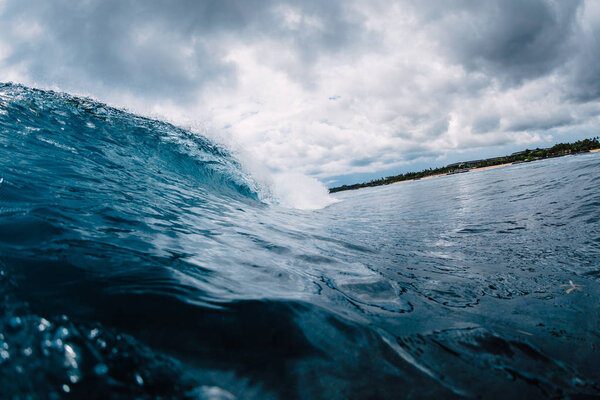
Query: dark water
137, 261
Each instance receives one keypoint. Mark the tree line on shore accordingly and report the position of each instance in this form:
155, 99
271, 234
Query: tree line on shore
558, 150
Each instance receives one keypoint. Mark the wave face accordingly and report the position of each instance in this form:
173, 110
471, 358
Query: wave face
137, 260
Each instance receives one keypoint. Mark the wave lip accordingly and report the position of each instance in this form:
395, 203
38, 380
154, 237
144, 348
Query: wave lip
83, 136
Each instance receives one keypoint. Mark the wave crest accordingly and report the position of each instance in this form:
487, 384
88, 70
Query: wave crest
72, 130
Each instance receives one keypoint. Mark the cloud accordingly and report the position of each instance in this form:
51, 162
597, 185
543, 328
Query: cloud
324, 88
583, 67
509, 39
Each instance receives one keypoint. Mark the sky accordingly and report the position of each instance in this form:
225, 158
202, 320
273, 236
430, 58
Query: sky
339, 90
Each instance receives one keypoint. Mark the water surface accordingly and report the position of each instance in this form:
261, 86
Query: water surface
138, 260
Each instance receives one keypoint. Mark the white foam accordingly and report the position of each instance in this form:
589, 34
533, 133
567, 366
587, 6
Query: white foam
295, 190
289, 189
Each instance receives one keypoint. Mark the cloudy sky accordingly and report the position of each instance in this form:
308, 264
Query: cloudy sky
340, 90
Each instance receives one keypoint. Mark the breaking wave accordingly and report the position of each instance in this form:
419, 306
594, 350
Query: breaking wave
140, 260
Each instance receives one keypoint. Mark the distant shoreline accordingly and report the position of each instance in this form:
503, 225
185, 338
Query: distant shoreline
471, 170
558, 150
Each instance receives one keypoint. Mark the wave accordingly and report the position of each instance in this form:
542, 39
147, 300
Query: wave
72, 132
138, 259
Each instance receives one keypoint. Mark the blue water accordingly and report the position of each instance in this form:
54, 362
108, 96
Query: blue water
137, 260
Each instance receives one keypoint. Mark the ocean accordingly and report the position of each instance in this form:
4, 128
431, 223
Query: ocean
140, 260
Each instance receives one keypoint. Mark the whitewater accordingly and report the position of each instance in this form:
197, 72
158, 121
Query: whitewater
142, 260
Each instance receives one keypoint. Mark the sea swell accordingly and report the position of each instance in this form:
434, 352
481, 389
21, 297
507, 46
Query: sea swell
139, 260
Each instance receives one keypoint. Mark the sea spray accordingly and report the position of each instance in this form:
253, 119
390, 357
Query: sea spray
295, 190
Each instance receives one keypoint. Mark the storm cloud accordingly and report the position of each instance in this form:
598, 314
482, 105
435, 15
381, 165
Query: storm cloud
325, 88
